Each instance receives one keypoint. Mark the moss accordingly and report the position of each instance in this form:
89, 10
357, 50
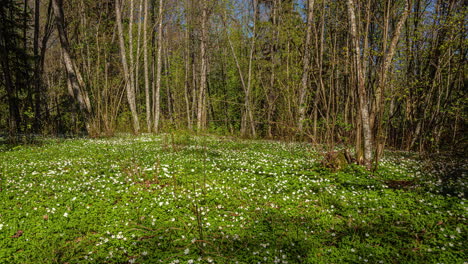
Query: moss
335, 160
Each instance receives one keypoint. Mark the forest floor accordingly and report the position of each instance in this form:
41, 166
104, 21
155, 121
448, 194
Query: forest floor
187, 199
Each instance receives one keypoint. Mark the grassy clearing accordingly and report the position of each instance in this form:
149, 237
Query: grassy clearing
184, 199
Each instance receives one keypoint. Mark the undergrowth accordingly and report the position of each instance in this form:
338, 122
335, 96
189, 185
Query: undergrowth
186, 199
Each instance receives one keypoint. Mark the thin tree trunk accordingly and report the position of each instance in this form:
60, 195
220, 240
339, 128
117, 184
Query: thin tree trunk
170, 99
153, 66
363, 105
145, 61
137, 62
37, 72
379, 96
389, 57
248, 91
130, 91
48, 30
14, 119
270, 94
187, 66
73, 73
195, 85
157, 99
201, 114
130, 47
305, 68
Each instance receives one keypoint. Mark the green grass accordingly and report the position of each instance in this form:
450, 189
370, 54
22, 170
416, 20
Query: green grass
185, 199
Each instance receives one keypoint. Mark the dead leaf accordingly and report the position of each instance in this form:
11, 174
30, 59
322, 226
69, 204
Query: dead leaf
18, 234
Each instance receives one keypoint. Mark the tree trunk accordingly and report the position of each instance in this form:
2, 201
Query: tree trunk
363, 105
123, 56
305, 68
14, 118
272, 94
37, 72
130, 47
145, 61
201, 114
170, 99
248, 91
187, 66
48, 30
137, 62
157, 103
379, 95
73, 73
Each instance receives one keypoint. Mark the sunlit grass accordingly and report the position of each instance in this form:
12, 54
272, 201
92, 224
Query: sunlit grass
185, 199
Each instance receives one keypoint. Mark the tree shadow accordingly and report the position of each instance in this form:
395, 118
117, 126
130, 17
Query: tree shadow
8, 143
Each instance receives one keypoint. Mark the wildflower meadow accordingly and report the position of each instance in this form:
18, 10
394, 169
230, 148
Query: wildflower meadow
206, 199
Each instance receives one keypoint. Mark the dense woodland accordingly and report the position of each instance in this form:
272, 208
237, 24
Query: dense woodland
365, 73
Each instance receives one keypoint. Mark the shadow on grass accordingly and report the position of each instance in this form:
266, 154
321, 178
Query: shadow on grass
263, 244
8, 143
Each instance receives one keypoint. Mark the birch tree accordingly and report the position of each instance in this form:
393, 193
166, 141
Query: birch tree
157, 92
201, 109
145, 66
